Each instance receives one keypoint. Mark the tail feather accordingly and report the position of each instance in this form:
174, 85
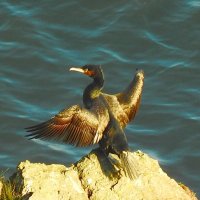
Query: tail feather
128, 164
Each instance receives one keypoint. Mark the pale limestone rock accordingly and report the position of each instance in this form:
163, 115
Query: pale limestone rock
50, 182
152, 182
1, 186
95, 178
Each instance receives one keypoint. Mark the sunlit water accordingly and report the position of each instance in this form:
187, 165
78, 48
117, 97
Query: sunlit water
38, 42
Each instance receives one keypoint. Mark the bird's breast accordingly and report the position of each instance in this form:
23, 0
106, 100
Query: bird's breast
102, 114
116, 109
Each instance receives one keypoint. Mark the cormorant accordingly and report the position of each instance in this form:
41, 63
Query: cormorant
101, 119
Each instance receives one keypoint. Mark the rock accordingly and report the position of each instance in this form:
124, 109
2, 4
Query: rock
49, 182
95, 178
1, 187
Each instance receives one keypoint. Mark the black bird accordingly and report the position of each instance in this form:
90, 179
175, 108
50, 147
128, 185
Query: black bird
101, 119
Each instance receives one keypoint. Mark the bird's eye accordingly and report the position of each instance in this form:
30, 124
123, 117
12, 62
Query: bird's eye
88, 72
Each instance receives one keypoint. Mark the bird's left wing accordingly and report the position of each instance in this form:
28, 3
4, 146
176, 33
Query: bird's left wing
76, 126
130, 98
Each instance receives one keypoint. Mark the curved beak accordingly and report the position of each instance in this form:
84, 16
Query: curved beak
77, 69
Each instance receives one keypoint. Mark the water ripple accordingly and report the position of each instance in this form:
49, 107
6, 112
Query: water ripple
18, 10
194, 3
114, 54
158, 40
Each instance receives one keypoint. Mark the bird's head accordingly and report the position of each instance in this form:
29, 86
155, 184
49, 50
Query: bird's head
93, 71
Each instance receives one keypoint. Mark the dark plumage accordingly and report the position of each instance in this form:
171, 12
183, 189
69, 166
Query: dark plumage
101, 120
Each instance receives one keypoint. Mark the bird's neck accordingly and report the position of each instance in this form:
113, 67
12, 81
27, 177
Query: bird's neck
92, 91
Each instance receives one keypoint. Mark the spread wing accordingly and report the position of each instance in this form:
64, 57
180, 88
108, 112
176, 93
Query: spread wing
76, 126
130, 98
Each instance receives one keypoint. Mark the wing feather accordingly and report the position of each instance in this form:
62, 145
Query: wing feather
76, 126
130, 98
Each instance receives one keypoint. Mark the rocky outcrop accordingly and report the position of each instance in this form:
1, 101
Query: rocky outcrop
1, 187
95, 178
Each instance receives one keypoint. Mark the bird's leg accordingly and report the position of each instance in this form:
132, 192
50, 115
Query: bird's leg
109, 154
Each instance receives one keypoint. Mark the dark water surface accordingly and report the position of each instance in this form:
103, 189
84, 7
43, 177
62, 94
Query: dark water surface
40, 39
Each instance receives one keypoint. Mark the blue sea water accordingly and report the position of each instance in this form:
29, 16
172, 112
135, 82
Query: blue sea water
39, 40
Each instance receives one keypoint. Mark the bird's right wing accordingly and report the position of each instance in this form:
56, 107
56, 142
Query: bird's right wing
76, 126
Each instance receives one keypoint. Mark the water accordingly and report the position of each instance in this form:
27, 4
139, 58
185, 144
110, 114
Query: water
39, 40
